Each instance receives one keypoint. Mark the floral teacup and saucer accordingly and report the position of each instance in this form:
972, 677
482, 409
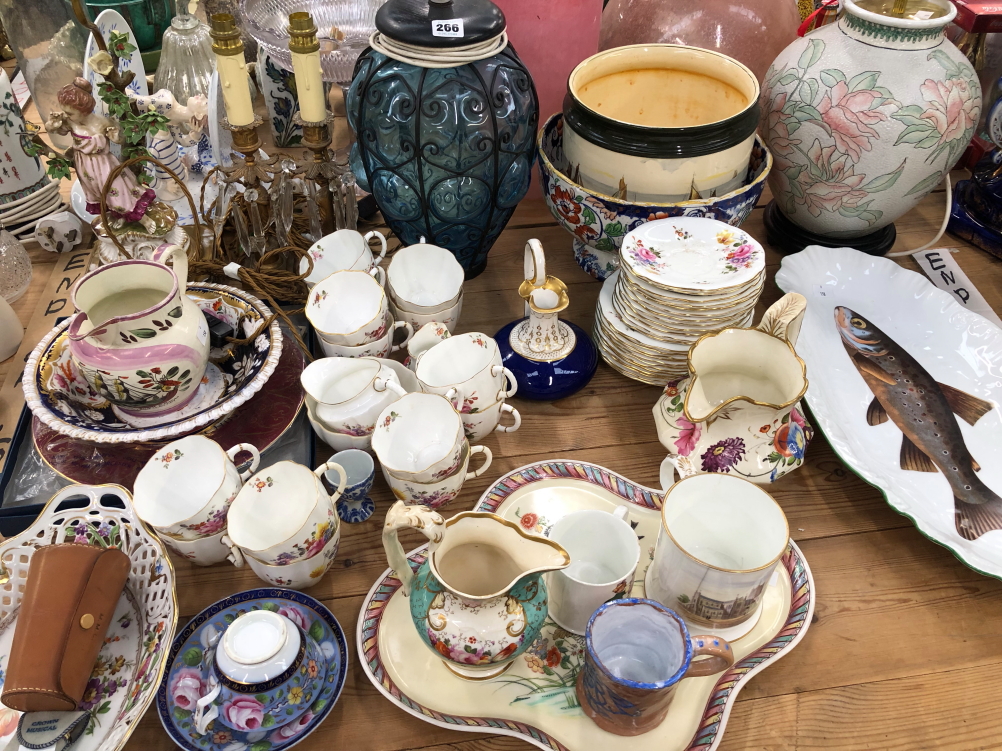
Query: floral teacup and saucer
265, 665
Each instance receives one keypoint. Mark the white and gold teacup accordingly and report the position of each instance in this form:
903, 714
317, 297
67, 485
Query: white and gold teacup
283, 513
185, 490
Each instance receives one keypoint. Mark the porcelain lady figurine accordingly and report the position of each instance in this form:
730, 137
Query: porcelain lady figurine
479, 599
738, 411
864, 118
187, 123
92, 136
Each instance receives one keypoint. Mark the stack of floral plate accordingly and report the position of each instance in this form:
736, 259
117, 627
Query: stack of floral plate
678, 280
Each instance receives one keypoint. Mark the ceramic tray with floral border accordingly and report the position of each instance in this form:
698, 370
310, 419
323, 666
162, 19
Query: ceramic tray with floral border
535, 700
192, 654
129, 667
956, 347
60, 397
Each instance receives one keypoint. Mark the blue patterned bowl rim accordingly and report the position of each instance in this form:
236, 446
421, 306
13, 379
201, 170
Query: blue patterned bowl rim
242, 598
48, 410
546, 165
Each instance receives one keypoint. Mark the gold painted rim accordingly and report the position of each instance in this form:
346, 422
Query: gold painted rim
754, 290
784, 405
685, 310
521, 533
465, 455
321, 493
383, 297
691, 291
664, 525
651, 370
226, 457
504, 669
460, 433
628, 351
641, 354
371, 382
457, 384
667, 349
659, 322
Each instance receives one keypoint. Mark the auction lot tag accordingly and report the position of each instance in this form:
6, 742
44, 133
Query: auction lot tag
452, 27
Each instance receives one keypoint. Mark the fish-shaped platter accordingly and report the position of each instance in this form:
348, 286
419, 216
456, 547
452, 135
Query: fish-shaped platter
906, 385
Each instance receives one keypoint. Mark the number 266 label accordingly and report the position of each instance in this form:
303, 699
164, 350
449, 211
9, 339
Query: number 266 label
450, 28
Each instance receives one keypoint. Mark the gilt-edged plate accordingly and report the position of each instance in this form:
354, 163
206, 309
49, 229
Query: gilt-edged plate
926, 474
191, 656
132, 660
61, 398
693, 256
535, 700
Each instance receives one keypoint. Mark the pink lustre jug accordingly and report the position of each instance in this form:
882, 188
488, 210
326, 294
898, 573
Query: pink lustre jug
137, 338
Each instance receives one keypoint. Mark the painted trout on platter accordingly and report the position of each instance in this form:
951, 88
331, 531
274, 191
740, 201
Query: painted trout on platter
924, 411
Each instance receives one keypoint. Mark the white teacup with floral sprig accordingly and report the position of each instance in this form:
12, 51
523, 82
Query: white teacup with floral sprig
284, 514
185, 490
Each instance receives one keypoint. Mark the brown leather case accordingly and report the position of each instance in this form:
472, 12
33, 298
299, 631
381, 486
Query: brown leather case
69, 600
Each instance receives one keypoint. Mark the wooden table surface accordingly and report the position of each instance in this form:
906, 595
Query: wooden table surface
905, 638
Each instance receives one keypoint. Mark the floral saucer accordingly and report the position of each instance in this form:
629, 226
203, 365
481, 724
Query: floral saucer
693, 255
62, 399
192, 653
535, 700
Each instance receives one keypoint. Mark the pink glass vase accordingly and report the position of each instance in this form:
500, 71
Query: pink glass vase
550, 43
751, 31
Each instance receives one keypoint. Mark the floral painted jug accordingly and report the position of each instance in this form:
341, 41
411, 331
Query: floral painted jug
479, 599
137, 338
738, 411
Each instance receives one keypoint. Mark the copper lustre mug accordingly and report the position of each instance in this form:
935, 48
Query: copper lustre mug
636, 654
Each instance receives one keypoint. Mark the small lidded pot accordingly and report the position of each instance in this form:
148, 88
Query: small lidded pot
267, 672
624, 137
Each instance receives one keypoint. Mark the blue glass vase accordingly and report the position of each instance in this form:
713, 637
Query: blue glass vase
446, 152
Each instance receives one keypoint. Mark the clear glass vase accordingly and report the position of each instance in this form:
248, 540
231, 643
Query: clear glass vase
343, 27
186, 61
49, 44
15, 267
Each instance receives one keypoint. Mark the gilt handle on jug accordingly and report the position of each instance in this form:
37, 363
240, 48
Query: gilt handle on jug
401, 516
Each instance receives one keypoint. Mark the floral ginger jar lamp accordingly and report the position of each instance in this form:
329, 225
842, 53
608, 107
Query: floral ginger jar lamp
864, 118
445, 115
550, 358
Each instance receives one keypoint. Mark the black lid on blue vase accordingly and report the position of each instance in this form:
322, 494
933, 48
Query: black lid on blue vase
412, 21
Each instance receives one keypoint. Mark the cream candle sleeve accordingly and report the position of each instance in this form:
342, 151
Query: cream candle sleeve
310, 86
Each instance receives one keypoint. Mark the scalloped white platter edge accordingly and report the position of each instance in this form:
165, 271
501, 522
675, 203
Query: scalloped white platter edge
955, 345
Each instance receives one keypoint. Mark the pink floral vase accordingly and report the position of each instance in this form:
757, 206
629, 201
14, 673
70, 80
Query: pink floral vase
866, 116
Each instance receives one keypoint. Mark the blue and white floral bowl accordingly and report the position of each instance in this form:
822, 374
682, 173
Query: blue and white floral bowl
61, 398
599, 222
249, 725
